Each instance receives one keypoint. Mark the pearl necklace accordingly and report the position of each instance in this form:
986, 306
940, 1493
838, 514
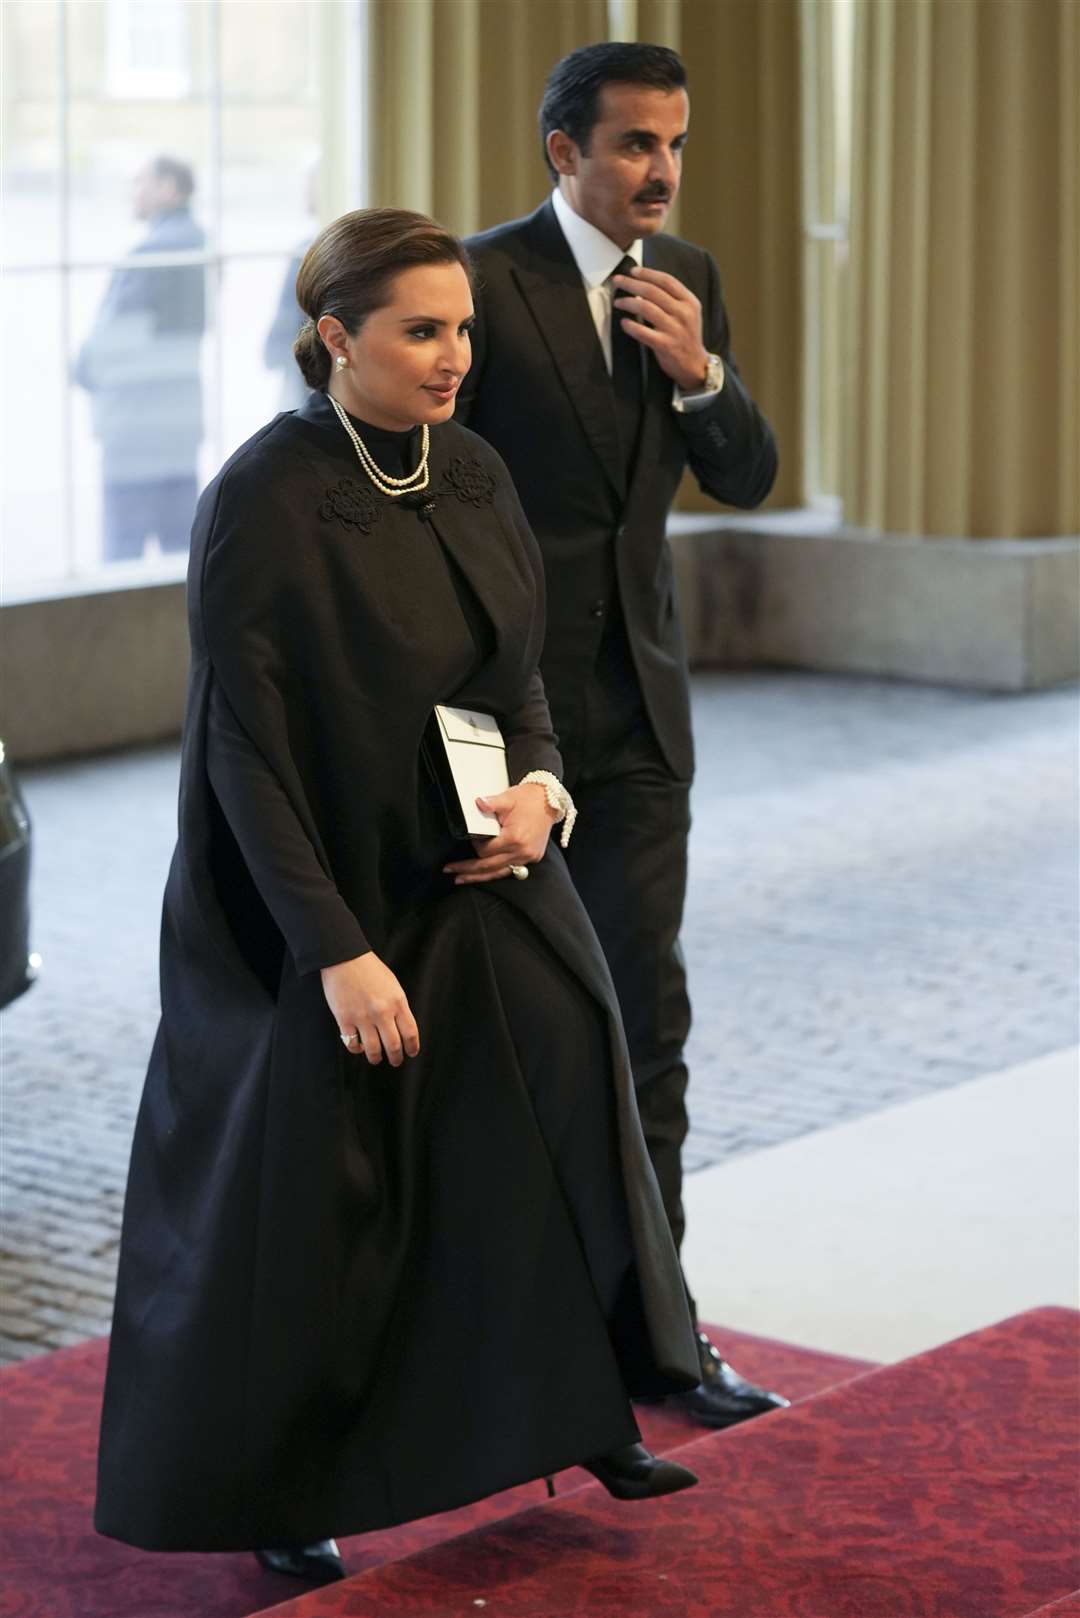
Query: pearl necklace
393, 488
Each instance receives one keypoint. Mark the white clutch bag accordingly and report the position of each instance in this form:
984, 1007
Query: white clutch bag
468, 755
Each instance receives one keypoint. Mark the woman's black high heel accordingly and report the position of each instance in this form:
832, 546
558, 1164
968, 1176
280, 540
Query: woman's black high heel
634, 1473
318, 1563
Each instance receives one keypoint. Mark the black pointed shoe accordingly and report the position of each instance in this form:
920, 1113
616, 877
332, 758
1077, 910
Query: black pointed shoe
632, 1473
723, 1397
318, 1563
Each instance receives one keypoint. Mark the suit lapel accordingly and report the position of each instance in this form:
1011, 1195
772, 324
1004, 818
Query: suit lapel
552, 288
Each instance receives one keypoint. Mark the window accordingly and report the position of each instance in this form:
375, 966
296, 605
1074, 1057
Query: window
165, 163
149, 48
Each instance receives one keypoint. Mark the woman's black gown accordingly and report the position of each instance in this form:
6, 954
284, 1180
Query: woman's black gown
354, 1295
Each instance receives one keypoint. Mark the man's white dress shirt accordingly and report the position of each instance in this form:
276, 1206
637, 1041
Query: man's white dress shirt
597, 258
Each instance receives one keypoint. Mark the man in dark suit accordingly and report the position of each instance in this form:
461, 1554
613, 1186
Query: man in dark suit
601, 367
140, 365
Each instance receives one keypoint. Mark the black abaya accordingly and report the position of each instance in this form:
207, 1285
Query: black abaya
349, 1296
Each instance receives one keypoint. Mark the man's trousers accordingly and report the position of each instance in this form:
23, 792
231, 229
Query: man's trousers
628, 858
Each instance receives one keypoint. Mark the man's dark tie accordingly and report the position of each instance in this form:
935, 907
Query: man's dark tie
626, 374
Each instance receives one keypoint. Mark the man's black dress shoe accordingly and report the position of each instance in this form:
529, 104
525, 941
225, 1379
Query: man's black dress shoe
723, 1397
318, 1563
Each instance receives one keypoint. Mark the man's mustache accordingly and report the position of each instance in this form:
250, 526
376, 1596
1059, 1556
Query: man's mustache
654, 195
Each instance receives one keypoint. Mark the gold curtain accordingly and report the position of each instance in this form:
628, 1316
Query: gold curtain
824, 207
740, 194
963, 396
454, 90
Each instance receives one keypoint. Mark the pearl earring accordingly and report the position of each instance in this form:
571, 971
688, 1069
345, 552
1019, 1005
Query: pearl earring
341, 362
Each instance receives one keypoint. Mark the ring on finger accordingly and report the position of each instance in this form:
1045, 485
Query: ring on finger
355, 1038
519, 872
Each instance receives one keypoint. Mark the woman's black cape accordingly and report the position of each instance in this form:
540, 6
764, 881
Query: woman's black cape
316, 1332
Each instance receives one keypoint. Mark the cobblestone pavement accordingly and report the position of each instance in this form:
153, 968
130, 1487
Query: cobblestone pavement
883, 903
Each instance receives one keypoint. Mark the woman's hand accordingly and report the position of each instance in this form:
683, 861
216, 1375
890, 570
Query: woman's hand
367, 999
525, 820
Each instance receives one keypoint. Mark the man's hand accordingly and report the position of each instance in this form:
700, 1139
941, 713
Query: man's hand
367, 999
662, 314
525, 821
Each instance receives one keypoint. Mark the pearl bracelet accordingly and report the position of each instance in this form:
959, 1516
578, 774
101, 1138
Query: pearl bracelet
558, 799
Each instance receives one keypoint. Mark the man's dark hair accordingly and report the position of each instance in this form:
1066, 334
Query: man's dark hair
572, 92
181, 174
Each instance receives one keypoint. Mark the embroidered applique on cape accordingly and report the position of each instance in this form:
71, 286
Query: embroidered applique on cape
469, 480
351, 503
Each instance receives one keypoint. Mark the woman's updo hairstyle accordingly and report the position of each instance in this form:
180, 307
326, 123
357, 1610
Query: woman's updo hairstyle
348, 269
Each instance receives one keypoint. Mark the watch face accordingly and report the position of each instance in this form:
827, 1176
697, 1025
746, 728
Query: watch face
714, 371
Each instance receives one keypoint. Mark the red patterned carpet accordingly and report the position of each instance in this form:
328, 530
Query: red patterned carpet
943, 1487
52, 1564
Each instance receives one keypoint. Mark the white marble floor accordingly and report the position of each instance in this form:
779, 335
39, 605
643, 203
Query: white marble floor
890, 1234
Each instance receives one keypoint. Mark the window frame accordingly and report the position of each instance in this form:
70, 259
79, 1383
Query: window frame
343, 44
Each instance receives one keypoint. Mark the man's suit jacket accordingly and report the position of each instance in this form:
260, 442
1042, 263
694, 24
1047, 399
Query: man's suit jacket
539, 391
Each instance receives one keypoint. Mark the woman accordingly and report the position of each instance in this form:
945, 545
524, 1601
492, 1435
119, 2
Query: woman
391, 1239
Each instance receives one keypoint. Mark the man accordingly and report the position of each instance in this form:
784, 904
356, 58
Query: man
278, 346
601, 367
140, 365
288, 316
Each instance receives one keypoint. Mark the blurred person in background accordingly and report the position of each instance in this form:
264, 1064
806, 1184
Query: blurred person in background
140, 366
602, 369
278, 347
289, 317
